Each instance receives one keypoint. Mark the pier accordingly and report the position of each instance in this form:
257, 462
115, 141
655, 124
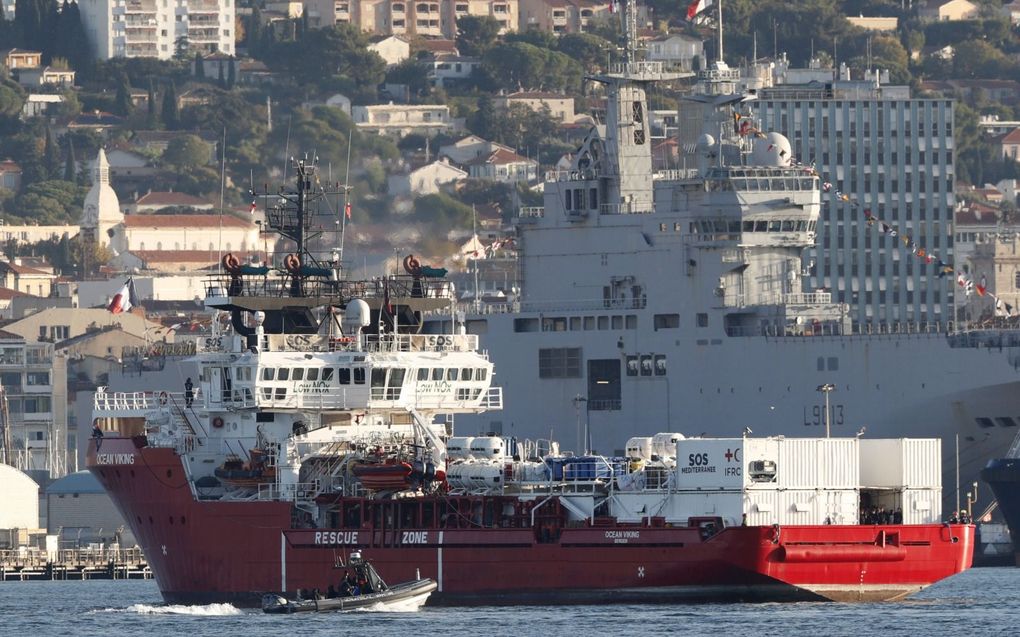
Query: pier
73, 564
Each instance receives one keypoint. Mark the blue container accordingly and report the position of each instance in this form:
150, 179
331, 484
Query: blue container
586, 468
555, 465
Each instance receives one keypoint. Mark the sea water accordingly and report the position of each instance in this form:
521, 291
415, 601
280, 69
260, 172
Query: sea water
979, 602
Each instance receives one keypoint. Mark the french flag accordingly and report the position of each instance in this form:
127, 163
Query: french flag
125, 299
696, 7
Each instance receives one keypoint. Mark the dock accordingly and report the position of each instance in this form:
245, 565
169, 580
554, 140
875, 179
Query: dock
73, 564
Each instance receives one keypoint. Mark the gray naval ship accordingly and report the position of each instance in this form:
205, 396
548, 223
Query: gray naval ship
674, 301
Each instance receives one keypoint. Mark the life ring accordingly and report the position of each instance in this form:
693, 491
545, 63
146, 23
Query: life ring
293, 263
217, 422
412, 265
231, 263
163, 398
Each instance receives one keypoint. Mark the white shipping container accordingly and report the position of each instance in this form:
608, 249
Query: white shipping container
727, 505
802, 506
818, 463
922, 506
709, 463
915, 463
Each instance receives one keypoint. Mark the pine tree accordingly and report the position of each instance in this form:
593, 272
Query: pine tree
150, 118
51, 161
171, 114
70, 165
122, 103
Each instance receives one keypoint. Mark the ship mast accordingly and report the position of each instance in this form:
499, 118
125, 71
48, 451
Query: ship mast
627, 170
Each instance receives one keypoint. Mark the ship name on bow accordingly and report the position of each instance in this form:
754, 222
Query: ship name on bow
115, 458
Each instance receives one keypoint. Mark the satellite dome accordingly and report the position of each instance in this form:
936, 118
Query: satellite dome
772, 150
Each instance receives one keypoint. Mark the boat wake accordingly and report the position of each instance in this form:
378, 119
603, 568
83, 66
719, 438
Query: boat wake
407, 606
210, 610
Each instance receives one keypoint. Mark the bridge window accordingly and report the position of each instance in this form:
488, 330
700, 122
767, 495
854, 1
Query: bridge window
984, 423
327, 374
452, 373
283, 374
281, 393
437, 373
481, 374
313, 374
299, 373
1005, 421
423, 374
268, 373
343, 375
466, 374
359, 375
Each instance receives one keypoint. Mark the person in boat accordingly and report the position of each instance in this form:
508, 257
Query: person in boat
352, 584
189, 392
331, 592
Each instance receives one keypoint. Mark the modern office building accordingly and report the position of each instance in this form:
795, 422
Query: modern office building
888, 153
158, 28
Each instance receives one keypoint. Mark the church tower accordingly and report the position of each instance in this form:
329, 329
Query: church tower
101, 212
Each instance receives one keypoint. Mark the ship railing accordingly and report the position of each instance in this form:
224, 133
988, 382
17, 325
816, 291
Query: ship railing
322, 401
283, 284
104, 401
289, 492
492, 398
570, 175
84, 557
626, 209
420, 343
676, 174
807, 298
531, 212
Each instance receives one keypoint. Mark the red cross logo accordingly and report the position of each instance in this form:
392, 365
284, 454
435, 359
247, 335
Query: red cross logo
729, 455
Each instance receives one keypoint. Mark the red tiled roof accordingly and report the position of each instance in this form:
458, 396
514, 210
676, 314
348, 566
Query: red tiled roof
9, 166
185, 221
6, 294
23, 269
8, 336
436, 46
500, 156
170, 199
1012, 137
537, 95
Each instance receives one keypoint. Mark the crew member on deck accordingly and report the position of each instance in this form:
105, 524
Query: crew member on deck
97, 433
189, 392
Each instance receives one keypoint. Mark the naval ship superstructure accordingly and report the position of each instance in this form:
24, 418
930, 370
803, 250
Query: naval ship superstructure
661, 300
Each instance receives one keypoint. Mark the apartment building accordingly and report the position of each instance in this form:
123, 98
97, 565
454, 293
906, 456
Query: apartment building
34, 390
431, 18
157, 28
888, 153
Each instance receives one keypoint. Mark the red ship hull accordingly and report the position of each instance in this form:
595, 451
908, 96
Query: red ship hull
212, 551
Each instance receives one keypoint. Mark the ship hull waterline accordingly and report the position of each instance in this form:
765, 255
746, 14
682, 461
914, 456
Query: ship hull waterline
205, 552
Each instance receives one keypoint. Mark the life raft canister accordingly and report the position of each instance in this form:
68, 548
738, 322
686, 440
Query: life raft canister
163, 397
217, 422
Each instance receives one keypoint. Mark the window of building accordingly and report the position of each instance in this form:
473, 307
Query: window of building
37, 378
559, 362
702, 319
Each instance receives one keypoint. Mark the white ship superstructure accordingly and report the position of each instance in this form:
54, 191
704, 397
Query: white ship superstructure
674, 300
